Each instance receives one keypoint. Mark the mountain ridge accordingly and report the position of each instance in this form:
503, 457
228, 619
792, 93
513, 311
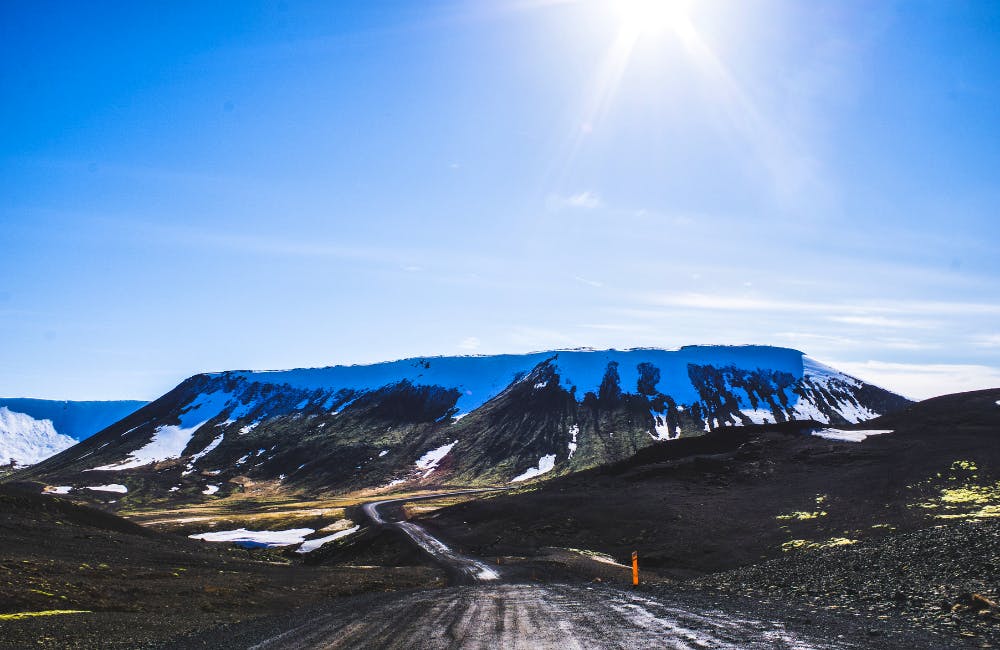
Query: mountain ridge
472, 420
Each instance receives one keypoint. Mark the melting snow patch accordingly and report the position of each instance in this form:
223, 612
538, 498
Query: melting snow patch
429, 461
211, 489
849, 436
257, 538
661, 426
112, 487
248, 428
573, 431
759, 416
207, 450
169, 441
57, 489
545, 464
311, 545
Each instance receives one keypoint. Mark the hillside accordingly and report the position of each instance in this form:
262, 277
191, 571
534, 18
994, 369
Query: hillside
449, 420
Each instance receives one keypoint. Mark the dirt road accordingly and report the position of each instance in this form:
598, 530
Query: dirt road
487, 613
463, 569
537, 617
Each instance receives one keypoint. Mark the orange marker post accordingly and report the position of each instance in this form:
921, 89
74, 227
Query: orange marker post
635, 567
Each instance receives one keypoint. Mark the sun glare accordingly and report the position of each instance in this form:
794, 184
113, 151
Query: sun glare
650, 16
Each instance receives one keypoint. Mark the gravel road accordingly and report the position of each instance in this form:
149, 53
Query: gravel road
509, 616
483, 611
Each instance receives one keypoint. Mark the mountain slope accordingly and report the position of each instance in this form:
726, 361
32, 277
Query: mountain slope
34, 429
453, 420
76, 419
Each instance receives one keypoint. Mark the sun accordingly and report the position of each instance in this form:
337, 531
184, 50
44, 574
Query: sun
650, 16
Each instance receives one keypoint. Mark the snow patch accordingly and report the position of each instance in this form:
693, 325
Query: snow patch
207, 450
57, 489
257, 538
26, 440
573, 431
758, 416
169, 441
210, 489
849, 436
429, 461
383, 453
111, 487
545, 464
311, 545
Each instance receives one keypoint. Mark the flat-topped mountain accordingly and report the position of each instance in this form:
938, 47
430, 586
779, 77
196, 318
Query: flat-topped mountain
452, 420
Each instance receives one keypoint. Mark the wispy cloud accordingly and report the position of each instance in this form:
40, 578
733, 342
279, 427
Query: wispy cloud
987, 341
592, 283
882, 322
469, 343
585, 200
723, 302
921, 381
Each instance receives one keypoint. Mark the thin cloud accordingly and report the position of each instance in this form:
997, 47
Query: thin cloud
586, 200
592, 283
469, 343
882, 321
987, 341
722, 302
921, 381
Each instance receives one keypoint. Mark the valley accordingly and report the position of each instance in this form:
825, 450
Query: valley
205, 517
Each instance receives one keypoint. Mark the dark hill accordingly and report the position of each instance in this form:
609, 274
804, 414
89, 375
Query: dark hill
740, 495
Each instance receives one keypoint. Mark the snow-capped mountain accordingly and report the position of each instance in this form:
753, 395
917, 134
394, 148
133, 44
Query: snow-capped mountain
25, 440
76, 419
34, 429
459, 420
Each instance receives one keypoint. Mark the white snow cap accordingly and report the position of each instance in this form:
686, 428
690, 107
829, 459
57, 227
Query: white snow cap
26, 440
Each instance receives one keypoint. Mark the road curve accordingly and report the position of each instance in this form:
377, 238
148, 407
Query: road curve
467, 569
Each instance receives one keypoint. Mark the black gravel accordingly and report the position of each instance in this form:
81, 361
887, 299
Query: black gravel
940, 579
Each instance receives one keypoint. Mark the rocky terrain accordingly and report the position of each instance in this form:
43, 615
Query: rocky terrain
75, 577
797, 502
945, 578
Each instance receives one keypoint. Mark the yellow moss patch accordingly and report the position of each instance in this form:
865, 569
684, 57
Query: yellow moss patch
796, 544
802, 515
51, 612
980, 494
964, 496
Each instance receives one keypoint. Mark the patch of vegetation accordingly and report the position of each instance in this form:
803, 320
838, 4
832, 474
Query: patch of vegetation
803, 515
960, 493
800, 544
50, 612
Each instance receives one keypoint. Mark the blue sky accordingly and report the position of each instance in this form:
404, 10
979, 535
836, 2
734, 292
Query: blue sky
188, 187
